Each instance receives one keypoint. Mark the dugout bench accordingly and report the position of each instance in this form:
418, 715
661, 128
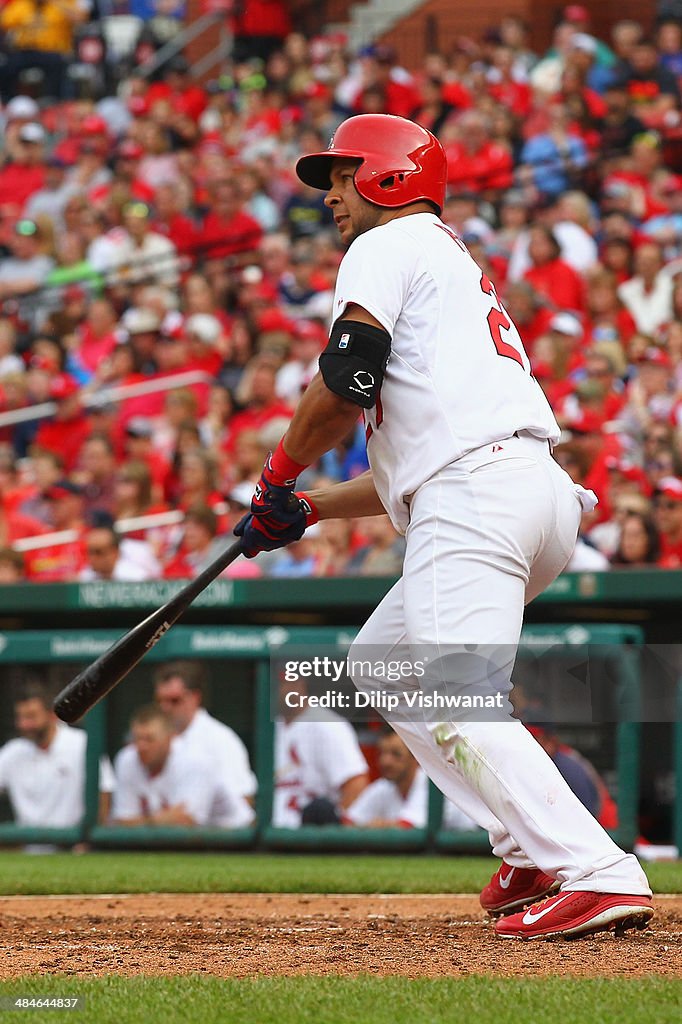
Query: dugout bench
251, 648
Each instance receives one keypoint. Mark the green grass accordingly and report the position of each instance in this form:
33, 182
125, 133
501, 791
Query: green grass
359, 1000
256, 872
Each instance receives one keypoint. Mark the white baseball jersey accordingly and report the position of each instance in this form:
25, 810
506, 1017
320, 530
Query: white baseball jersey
314, 755
206, 737
383, 800
47, 787
458, 376
184, 779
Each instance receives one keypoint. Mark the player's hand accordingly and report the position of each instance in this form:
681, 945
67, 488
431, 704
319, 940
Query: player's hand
262, 530
272, 523
277, 516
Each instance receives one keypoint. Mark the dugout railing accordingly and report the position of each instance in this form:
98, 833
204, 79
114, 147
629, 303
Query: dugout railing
255, 646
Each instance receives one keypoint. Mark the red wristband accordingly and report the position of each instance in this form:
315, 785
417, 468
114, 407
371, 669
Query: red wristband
282, 469
311, 513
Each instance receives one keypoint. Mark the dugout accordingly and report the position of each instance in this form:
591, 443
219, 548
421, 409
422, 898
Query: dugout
299, 612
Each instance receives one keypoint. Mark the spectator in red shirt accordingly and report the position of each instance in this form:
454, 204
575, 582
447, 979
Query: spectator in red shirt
228, 230
260, 28
668, 518
96, 472
65, 432
607, 317
177, 87
506, 87
258, 387
25, 175
475, 162
61, 562
550, 275
200, 544
529, 311
97, 335
127, 157
170, 221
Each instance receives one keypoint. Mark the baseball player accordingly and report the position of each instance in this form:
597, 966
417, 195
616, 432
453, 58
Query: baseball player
459, 438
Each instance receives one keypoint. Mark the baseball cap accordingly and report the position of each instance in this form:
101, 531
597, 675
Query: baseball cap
671, 487
26, 228
576, 12
139, 426
62, 489
204, 326
21, 108
627, 469
587, 422
308, 330
93, 124
140, 321
581, 41
63, 386
32, 132
44, 363
566, 323
136, 209
514, 197
656, 357
274, 320
129, 150
241, 494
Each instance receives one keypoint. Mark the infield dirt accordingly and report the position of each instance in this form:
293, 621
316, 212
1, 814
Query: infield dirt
247, 934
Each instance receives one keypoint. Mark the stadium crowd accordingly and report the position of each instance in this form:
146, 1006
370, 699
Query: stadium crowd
153, 230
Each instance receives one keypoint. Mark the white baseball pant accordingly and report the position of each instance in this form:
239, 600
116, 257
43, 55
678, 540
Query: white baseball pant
486, 535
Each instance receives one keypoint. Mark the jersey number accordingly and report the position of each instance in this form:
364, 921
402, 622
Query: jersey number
499, 321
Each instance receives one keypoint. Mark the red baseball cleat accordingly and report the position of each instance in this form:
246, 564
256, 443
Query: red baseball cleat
512, 888
573, 914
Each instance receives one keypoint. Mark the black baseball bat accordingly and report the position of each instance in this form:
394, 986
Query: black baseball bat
98, 679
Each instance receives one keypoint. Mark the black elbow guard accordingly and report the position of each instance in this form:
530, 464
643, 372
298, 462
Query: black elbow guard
354, 361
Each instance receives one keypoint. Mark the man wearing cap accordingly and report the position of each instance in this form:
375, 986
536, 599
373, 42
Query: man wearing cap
204, 333
65, 432
25, 173
308, 340
653, 88
25, 272
668, 518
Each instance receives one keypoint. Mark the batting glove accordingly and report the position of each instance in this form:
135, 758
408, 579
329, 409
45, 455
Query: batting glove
277, 516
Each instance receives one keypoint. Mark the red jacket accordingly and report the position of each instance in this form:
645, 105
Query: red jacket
560, 283
490, 167
241, 233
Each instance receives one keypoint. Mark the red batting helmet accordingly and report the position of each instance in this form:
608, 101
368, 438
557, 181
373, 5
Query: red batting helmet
401, 161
